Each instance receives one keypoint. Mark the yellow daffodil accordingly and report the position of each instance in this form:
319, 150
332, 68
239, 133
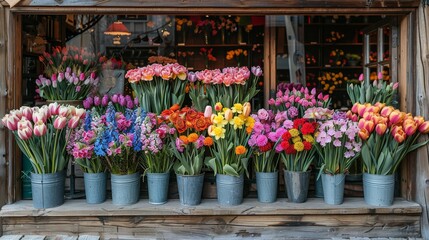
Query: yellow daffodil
218, 132
237, 122
238, 108
219, 120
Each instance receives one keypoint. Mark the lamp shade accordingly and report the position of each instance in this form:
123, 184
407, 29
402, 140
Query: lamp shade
117, 29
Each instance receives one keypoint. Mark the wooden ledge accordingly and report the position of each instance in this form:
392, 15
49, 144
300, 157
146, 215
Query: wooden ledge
210, 207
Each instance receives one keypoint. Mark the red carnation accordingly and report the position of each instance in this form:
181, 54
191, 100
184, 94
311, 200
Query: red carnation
290, 150
307, 128
307, 145
284, 144
286, 136
266, 148
298, 122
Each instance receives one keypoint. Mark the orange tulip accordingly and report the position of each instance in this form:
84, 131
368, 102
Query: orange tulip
228, 114
381, 128
410, 127
419, 120
378, 106
399, 136
396, 117
363, 134
369, 126
355, 107
385, 112
218, 106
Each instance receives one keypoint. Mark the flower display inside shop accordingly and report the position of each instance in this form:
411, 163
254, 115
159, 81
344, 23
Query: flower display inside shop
161, 60
182, 23
67, 85
264, 140
296, 146
337, 58
120, 102
208, 55
293, 103
190, 139
230, 130
338, 143
158, 87
42, 132
334, 36
388, 135
228, 86
117, 139
377, 91
155, 136
331, 80
113, 63
238, 54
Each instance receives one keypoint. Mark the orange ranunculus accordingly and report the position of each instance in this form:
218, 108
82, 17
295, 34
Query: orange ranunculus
191, 115
386, 111
201, 124
184, 139
166, 114
249, 129
189, 124
175, 107
381, 128
180, 125
239, 150
193, 137
363, 134
424, 127
208, 141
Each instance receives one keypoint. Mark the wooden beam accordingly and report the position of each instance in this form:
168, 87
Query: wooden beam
422, 108
3, 94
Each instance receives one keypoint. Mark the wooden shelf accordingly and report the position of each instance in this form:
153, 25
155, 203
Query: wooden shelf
339, 67
332, 44
212, 45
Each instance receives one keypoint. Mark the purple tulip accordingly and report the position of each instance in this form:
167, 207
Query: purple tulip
130, 104
122, 100
105, 100
257, 71
114, 98
192, 77
97, 101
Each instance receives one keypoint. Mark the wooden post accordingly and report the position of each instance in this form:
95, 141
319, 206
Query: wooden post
422, 108
3, 92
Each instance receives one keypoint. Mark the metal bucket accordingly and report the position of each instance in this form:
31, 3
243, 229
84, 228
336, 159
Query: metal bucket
48, 189
266, 184
125, 188
297, 185
157, 184
378, 190
95, 187
229, 189
333, 188
190, 189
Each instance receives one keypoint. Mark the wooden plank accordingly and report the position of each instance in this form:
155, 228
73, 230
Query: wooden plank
226, 3
61, 237
11, 237
226, 227
3, 100
88, 237
422, 108
33, 237
78, 208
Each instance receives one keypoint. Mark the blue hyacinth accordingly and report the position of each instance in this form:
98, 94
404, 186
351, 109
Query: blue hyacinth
88, 120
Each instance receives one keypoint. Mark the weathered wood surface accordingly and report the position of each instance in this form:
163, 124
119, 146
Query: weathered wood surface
250, 206
3, 94
422, 108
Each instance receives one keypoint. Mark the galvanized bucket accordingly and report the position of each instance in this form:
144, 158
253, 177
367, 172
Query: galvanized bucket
333, 188
95, 187
378, 190
266, 184
157, 184
297, 185
318, 186
125, 188
48, 189
229, 189
190, 189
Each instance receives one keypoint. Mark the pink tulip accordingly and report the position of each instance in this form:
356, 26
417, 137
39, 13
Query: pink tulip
419, 120
395, 85
80, 112
27, 112
25, 133
410, 127
40, 128
361, 77
424, 127
386, 111
380, 75
60, 122
74, 122
399, 136
369, 126
64, 111
54, 109
381, 128
396, 116
11, 121
208, 111
39, 116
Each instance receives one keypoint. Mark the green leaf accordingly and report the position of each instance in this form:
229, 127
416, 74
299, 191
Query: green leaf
245, 163
230, 170
211, 162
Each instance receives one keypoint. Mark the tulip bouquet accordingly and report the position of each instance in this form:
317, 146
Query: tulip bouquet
41, 134
117, 139
190, 140
294, 102
388, 135
231, 128
155, 136
377, 91
71, 73
297, 144
158, 87
264, 140
120, 102
67, 85
338, 143
228, 86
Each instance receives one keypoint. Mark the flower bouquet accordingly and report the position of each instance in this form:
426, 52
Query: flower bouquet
228, 86
190, 139
338, 146
158, 87
388, 135
70, 74
231, 128
41, 133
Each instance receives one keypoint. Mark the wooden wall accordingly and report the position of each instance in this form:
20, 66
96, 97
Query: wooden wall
422, 108
3, 89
